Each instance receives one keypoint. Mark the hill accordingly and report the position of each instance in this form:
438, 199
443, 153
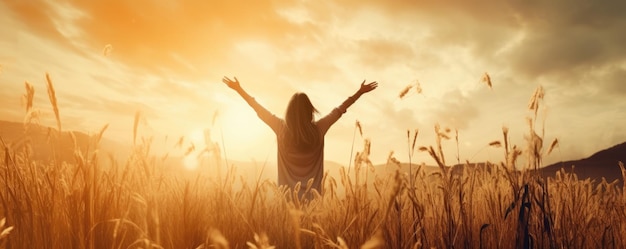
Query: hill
601, 164
43, 142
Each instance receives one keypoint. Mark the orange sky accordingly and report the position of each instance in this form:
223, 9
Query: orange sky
168, 58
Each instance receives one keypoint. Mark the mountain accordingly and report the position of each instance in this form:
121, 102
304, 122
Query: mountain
43, 142
601, 164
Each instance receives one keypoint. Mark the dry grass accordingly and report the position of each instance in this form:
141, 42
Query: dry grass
107, 50
487, 80
86, 203
405, 91
53, 100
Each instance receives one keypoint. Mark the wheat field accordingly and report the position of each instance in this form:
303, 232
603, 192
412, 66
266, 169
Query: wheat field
136, 203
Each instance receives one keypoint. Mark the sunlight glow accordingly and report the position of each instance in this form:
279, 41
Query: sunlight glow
241, 126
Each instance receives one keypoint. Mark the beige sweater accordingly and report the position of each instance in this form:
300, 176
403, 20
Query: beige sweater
296, 166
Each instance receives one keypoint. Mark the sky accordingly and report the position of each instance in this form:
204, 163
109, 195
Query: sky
165, 59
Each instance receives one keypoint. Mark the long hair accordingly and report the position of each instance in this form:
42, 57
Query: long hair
301, 132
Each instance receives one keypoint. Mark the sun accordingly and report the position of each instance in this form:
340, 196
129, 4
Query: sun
237, 130
234, 130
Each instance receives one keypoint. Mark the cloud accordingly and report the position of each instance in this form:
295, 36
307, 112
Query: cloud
616, 81
161, 35
571, 51
399, 117
533, 38
455, 109
37, 17
169, 56
315, 68
382, 53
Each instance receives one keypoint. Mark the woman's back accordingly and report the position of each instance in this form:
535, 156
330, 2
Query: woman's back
300, 139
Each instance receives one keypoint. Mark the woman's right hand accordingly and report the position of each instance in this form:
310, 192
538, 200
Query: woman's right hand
232, 84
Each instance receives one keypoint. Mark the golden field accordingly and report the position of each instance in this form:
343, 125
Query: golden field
91, 202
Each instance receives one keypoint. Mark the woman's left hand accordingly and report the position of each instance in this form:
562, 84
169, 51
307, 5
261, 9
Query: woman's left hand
365, 88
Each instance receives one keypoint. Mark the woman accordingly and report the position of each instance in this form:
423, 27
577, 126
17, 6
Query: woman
300, 138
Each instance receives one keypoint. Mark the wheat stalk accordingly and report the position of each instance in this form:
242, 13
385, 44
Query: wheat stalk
53, 100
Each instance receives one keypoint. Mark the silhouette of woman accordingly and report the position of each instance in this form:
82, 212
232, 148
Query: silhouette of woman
300, 138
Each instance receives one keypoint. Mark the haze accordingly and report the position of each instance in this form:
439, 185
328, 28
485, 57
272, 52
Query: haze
165, 59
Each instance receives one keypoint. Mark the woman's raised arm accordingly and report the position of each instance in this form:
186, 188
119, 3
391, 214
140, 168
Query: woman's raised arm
328, 120
365, 88
270, 119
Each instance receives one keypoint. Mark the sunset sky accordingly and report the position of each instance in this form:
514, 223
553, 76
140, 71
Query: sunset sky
165, 59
